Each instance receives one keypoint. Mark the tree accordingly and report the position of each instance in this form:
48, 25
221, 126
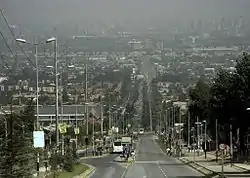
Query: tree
145, 107
156, 102
16, 151
230, 99
199, 96
226, 100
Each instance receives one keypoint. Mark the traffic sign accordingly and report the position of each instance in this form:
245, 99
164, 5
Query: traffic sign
38, 139
63, 128
77, 130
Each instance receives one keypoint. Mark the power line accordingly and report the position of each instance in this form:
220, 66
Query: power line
10, 50
15, 57
13, 36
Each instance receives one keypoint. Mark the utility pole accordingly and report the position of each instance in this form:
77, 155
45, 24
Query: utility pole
101, 117
166, 121
123, 124
76, 120
37, 105
93, 134
86, 99
76, 128
198, 133
109, 112
150, 108
205, 122
56, 90
61, 118
102, 108
37, 89
180, 132
159, 123
216, 139
231, 143
188, 129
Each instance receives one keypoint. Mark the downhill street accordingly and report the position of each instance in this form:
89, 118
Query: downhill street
151, 162
106, 167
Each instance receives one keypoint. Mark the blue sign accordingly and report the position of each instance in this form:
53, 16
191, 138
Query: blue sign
38, 139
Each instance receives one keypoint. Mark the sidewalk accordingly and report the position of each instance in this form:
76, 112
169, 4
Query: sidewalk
42, 169
211, 167
42, 172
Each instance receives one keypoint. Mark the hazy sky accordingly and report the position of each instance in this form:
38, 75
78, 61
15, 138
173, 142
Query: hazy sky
50, 12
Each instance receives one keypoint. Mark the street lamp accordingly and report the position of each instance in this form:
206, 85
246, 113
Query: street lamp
205, 124
37, 86
54, 39
102, 115
20, 40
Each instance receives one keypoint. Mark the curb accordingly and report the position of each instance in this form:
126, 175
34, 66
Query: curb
199, 168
118, 160
88, 172
240, 168
236, 167
94, 157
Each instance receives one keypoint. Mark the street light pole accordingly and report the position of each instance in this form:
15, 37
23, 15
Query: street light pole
205, 123
86, 99
37, 88
37, 105
109, 112
166, 121
53, 39
101, 116
56, 88
231, 144
216, 139
37, 91
93, 134
188, 130
123, 123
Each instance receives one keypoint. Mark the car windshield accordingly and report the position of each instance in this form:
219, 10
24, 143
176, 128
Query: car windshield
117, 143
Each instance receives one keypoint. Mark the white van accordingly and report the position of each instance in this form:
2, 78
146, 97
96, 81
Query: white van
117, 147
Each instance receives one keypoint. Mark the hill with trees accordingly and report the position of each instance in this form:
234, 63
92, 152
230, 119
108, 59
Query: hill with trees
225, 99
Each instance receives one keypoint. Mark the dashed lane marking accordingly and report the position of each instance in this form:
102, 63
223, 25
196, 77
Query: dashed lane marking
165, 175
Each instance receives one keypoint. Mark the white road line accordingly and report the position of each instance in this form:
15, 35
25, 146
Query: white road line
92, 173
165, 175
137, 149
126, 169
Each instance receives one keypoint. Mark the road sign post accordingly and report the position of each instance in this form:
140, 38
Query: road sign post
86, 143
222, 148
38, 142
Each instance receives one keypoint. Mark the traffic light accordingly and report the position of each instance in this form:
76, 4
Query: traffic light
86, 141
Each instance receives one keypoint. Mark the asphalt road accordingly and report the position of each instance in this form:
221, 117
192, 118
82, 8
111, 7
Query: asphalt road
151, 162
106, 167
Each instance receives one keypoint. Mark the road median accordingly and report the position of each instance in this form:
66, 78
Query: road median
87, 173
78, 171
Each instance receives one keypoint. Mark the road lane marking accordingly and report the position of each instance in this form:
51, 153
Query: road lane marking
165, 175
137, 148
126, 169
147, 162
